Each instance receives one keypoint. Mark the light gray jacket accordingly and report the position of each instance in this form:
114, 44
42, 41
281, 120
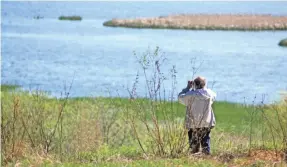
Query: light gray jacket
198, 103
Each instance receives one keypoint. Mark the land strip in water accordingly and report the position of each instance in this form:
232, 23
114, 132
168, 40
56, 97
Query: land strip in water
205, 22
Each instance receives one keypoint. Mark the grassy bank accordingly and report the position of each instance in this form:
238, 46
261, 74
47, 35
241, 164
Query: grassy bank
37, 130
205, 22
5, 87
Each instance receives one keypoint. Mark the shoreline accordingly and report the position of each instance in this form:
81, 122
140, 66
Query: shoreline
205, 22
18, 88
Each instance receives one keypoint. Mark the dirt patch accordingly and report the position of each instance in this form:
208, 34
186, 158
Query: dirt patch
255, 158
266, 155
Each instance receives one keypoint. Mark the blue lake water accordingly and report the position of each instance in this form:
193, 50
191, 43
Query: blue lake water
47, 53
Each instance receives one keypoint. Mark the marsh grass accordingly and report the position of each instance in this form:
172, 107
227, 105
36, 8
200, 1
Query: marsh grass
71, 18
205, 22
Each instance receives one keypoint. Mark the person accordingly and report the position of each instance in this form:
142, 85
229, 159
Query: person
199, 117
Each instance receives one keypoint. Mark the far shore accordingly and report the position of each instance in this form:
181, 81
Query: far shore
205, 22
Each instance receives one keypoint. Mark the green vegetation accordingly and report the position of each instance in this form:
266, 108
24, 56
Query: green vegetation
6, 87
72, 18
283, 42
100, 131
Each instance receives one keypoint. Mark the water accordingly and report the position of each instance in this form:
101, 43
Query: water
48, 53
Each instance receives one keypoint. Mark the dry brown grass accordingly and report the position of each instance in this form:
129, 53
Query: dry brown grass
266, 157
206, 22
87, 136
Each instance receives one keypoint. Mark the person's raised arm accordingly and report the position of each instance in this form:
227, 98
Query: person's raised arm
182, 95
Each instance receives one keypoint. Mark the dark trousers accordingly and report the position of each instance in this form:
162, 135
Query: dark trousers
197, 137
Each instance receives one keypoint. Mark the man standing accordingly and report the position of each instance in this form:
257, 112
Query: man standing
199, 114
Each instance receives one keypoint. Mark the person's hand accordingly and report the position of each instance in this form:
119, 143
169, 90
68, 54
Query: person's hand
189, 84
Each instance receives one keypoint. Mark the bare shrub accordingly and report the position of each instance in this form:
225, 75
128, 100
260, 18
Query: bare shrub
153, 118
271, 121
33, 122
276, 117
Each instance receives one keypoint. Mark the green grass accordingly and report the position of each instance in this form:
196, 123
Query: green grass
87, 143
5, 87
71, 18
229, 116
184, 162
